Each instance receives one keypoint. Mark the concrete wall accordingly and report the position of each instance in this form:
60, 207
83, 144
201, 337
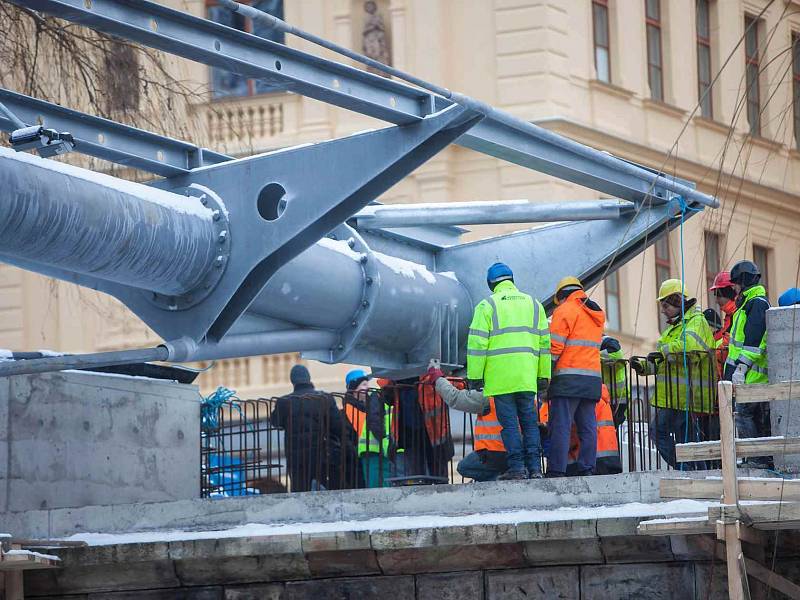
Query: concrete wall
76, 439
783, 337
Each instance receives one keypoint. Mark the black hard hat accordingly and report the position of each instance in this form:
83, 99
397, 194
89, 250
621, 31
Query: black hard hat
745, 272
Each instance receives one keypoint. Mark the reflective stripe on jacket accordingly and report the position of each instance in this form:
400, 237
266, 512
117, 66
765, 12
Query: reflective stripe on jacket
487, 432
607, 444
576, 331
671, 377
743, 348
509, 342
368, 442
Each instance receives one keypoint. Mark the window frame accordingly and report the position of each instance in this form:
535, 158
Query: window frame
767, 251
614, 276
704, 41
602, 5
751, 25
711, 273
662, 263
655, 24
251, 82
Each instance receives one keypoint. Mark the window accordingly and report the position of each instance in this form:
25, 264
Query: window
712, 264
613, 317
796, 86
224, 83
704, 58
761, 258
663, 269
752, 69
655, 67
602, 57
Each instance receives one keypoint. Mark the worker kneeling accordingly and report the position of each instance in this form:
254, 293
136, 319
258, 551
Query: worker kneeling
576, 331
608, 461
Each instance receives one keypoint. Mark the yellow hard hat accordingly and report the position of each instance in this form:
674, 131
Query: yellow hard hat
669, 287
569, 281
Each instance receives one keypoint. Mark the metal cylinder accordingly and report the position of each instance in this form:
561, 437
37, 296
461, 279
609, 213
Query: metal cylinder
63, 216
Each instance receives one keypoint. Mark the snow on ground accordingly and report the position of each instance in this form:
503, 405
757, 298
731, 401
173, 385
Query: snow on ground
634, 509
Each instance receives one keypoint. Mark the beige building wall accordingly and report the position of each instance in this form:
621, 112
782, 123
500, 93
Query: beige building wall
535, 59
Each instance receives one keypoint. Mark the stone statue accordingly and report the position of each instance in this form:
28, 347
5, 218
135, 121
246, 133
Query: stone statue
375, 40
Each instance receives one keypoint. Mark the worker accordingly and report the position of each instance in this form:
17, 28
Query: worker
616, 374
790, 297
684, 322
747, 353
376, 424
508, 355
316, 449
725, 296
488, 459
576, 332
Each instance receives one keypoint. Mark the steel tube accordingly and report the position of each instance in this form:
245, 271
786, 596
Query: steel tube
83, 222
480, 213
81, 361
251, 344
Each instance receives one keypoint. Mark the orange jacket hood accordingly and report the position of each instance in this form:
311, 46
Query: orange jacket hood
587, 306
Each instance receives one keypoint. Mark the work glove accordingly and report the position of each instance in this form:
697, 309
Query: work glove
433, 374
655, 357
475, 384
487, 408
542, 385
739, 374
637, 366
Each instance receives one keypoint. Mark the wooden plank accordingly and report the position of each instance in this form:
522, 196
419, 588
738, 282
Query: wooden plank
745, 447
686, 526
749, 488
24, 562
767, 392
759, 515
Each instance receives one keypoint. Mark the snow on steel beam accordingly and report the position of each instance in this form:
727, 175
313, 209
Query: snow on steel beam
109, 140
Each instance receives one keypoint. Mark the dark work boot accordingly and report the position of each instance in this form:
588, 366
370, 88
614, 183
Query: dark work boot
553, 474
534, 474
513, 475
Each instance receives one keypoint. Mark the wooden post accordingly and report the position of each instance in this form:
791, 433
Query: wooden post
13, 585
737, 585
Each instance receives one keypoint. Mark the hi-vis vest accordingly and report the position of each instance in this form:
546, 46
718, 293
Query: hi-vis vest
509, 342
755, 357
614, 368
367, 442
487, 432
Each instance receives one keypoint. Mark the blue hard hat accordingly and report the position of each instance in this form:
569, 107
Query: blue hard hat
790, 297
499, 272
354, 377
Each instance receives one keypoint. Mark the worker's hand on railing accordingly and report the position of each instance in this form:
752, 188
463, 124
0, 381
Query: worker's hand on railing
475, 384
655, 357
433, 374
739, 374
638, 366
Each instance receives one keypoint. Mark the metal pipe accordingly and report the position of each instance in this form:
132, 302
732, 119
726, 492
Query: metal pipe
15, 120
480, 213
84, 222
252, 344
81, 361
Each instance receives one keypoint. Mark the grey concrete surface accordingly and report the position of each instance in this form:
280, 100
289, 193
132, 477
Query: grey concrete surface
76, 439
783, 352
211, 514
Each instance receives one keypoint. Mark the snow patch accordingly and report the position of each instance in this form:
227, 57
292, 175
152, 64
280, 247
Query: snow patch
406, 268
51, 353
30, 553
6, 353
634, 509
180, 204
286, 288
339, 246
449, 275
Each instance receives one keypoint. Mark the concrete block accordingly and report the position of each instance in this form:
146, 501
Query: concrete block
441, 559
554, 552
531, 584
258, 591
636, 549
557, 530
467, 585
711, 580
79, 439
783, 355
618, 526
242, 569
328, 541
268, 545
454, 535
101, 578
690, 547
343, 562
194, 593
396, 588
655, 582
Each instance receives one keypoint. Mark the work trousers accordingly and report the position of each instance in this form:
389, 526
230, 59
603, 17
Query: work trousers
753, 421
482, 465
671, 429
562, 413
517, 415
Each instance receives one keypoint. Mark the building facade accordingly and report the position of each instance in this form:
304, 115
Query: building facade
707, 90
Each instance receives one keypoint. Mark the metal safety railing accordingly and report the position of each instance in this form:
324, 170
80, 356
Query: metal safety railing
404, 434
